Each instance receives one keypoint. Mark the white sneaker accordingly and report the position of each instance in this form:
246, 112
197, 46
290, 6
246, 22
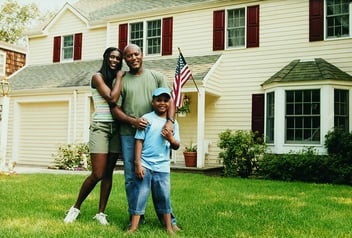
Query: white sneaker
71, 215
101, 217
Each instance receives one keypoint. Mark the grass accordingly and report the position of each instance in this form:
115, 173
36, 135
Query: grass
33, 205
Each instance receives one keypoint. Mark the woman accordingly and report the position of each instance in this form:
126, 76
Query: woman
104, 139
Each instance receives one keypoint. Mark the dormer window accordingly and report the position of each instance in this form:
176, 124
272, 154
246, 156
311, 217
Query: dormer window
67, 48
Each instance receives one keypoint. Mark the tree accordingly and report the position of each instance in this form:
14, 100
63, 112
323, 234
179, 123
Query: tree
15, 19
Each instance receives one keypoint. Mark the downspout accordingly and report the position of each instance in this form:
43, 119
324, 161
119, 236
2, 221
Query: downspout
74, 133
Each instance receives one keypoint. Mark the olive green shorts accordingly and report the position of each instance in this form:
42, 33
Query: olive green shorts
104, 137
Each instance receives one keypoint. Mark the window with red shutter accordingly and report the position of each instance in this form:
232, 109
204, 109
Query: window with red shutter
316, 20
56, 49
253, 26
123, 36
219, 30
77, 54
167, 36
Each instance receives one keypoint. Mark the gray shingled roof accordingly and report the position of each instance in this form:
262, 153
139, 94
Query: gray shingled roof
317, 69
79, 73
99, 9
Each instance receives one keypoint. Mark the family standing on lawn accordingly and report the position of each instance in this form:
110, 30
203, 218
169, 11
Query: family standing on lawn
134, 116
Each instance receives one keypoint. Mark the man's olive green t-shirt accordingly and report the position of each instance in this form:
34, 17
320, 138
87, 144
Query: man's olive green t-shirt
137, 94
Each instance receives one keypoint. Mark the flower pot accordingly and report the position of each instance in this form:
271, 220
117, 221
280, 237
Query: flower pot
181, 114
190, 159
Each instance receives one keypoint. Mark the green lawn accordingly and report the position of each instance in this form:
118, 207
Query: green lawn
33, 205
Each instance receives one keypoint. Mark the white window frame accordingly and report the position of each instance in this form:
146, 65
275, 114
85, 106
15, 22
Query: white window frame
63, 47
144, 46
326, 24
227, 28
303, 115
2, 63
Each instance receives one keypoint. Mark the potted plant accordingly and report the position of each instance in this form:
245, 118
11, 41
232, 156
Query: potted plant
190, 155
185, 108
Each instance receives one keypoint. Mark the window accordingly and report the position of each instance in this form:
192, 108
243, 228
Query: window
236, 27
303, 116
336, 15
68, 47
2, 63
136, 34
337, 18
341, 112
152, 38
242, 28
270, 115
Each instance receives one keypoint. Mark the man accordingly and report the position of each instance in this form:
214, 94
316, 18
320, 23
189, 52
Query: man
135, 100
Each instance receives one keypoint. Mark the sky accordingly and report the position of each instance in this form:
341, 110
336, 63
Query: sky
44, 5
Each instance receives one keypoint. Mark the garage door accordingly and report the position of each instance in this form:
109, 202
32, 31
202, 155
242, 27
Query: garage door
43, 127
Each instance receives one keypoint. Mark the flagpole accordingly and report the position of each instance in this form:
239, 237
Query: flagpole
179, 50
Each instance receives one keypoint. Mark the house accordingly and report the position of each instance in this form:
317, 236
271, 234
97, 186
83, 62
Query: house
12, 58
282, 68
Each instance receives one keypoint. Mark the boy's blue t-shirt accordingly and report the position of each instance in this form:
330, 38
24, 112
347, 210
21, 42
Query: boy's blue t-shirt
156, 149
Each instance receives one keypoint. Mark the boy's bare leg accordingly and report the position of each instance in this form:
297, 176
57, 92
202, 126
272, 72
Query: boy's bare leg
134, 223
168, 226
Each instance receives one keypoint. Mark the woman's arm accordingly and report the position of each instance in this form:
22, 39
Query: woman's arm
110, 95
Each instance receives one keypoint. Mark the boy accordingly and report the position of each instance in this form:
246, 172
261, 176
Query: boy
152, 161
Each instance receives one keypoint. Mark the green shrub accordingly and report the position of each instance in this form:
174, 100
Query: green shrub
73, 157
241, 152
339, 143
306, 166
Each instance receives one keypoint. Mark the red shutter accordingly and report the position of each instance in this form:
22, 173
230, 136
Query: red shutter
253, 26
167, 36
77, 53
57, 49
123, 36
219, 30
316, 20
258, 113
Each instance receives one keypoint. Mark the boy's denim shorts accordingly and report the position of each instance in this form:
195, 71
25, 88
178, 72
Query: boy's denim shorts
104, 137
156, 183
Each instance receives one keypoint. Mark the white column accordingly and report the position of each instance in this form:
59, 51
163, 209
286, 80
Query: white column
200, 128
3, 135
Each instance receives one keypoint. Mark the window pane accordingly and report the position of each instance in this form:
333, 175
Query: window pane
337, 18
67, 49
270, 110
154, 37
341, 109
136, 34
302, 123
236, 24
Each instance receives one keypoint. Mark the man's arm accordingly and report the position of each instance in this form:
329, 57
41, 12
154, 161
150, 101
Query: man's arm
118, 114
170, 116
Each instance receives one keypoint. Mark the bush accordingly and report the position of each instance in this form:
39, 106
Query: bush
73, 157
242, 150
339, 143
306, 166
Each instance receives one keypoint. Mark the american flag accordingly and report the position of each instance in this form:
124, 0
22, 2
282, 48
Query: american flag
182, 75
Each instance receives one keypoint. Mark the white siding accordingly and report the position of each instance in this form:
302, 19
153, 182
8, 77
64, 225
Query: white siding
93, 42
40, 123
